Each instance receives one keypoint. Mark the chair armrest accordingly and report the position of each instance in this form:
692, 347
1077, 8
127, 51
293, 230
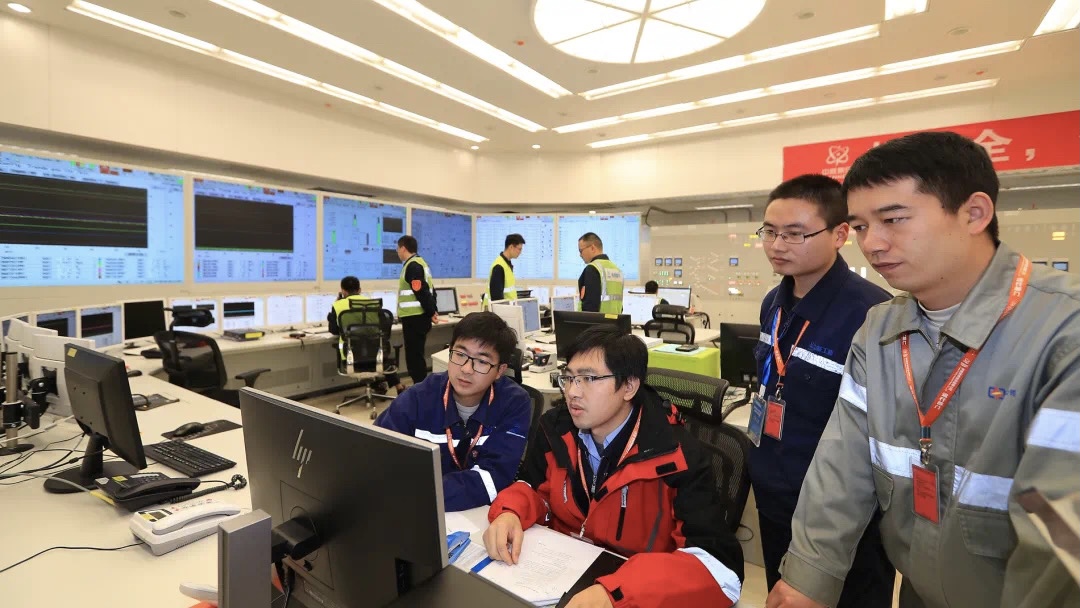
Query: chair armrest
249, 377
733, 407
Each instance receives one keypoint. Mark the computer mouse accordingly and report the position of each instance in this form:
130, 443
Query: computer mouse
188, 429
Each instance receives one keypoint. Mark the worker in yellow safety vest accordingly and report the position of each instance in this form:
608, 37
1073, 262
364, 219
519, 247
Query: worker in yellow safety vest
501, 284
600, 285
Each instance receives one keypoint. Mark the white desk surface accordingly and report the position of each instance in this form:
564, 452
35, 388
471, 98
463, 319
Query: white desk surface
131, 577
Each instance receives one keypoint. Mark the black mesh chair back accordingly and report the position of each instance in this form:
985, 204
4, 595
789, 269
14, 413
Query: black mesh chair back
514, 366
362, 334
191, 360
670, 330
701, 401
537, 409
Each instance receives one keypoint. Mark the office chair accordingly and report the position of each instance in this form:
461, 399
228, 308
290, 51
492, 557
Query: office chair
537, 410
514, 365
700, 399
194, 362
365, 332
672, 331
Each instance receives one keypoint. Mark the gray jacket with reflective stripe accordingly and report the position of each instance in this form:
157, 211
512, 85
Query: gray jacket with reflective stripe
1013, 424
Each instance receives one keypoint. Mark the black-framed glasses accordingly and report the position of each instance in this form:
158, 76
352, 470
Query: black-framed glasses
791, 238
581, 381
479, 365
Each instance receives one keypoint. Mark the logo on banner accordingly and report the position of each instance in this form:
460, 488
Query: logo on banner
838, 155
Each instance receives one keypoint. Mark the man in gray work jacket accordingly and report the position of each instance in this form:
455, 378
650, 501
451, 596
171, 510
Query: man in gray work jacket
946, 473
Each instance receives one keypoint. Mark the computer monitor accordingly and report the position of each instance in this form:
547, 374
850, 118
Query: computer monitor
569, 324
564, 303
515, 317
1060, 265
737, 362
302, 466
97, 385
243, 313
677, 296
317, 306
101, 324
531, 313
21, 340
389, 299
639, 306
542, 294
210, 304
282, 311
446, 300
143, 319
60, 321
48, 359
565, 290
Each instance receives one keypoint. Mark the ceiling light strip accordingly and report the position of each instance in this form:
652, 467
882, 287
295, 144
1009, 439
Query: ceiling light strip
810, 111
903, 8
314, 35
144, 28
739, 61
468, 42
1063, 15
802, 85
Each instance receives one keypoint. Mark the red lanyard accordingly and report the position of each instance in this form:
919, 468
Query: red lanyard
626, 450
1016, 294
781, 363
450, 436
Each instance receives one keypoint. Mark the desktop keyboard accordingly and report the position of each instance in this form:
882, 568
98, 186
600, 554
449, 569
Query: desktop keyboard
190, 460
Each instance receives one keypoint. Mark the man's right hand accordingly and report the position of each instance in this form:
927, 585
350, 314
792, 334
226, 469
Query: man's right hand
503, 538
784, 595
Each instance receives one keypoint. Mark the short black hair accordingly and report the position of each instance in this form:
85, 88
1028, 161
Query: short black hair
624, 354
513, 239
946, 165
408, 242
350, 284
651, 287
488, 329
822, 191
592, 238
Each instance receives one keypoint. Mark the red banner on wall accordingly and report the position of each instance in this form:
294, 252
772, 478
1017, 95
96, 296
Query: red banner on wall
1032, 142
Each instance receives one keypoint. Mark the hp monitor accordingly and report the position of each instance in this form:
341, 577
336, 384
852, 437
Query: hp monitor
568, 325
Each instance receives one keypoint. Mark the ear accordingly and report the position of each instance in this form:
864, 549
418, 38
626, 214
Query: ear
630, 388
979, 211
840, 235
500, 370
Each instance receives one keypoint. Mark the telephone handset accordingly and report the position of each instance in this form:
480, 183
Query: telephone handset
169, 527
137, 490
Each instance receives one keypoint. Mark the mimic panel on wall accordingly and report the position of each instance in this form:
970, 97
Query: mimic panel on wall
67, 222
252, 233
360, 239
537, 259
619, 233
445, 241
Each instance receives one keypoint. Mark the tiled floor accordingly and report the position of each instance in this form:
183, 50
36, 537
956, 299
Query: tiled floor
754, 590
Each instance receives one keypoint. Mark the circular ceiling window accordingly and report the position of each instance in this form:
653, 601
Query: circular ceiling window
640, 31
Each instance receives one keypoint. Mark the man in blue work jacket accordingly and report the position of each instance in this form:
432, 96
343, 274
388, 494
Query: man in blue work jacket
807, 324
478, 417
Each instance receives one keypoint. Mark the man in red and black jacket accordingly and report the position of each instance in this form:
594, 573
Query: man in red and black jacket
618, 468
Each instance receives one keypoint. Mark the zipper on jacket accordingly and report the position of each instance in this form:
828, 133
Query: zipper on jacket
622, 513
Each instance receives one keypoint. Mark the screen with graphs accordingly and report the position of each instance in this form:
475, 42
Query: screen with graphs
66, 222
620, 234
253, 233
445, 242
537, 260
360, 239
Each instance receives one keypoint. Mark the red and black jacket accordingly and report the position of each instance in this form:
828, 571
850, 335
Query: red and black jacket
660, 507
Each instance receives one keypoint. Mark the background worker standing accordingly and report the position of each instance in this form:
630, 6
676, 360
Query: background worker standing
600, 285
416, 306
501, 283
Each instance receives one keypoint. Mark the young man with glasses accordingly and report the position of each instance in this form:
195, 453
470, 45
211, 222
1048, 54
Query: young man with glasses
617, 468
807, 323
959, 410
479, 418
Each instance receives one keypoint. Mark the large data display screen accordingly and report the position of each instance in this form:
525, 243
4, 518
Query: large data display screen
537, 260
360, 239
66, 222
620, 234
253, 233
444, 240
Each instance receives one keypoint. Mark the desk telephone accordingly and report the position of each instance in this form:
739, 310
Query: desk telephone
140, 489
168, 527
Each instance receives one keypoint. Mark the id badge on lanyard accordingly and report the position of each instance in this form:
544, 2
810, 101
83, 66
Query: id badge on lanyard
767, 415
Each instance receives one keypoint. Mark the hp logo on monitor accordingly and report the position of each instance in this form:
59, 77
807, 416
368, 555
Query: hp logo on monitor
301, 454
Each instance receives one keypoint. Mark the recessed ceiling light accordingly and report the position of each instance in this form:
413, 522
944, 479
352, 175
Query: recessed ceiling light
474, 147
959, 31
592, 212
19, 8
804, 15
940, 76
177, 14
536, 146
620, 31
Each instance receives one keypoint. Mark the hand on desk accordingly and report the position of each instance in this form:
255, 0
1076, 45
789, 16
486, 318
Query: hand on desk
784, 595
592, 597
503, 538
435, 319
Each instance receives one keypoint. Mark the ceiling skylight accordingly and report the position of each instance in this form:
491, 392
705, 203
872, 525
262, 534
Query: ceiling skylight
640, 31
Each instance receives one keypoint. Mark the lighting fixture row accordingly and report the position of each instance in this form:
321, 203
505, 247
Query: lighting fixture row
810, 111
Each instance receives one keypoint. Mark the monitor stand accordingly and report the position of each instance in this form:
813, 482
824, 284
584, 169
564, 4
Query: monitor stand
93, 467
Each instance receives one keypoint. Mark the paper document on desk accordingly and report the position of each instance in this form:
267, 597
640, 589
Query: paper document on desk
549, 565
